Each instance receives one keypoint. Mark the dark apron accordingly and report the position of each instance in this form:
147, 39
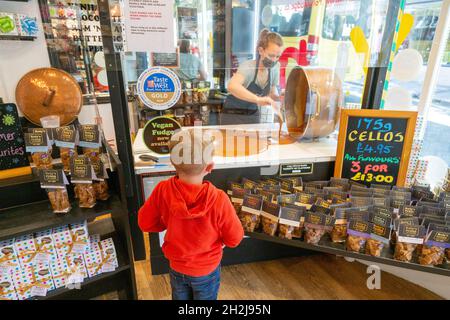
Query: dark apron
237, 111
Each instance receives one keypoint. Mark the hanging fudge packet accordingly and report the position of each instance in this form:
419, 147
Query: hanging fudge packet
342, 183
406, 210
361, 201
66, 137
231, 185
89, 136
304, 199
286, 199
37, 142
48, 131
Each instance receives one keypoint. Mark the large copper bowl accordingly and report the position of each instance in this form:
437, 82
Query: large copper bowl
313, 100
49, 91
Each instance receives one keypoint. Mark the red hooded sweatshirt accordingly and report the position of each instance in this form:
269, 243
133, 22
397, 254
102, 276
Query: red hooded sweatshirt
199, 219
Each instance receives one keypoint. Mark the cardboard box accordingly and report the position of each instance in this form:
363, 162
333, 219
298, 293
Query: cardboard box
8, 256
80, 237
60, 272
7, 289
23, 280
25, 249
44, 278
93, 260
75, 262
109, 252
62, 240
45, 247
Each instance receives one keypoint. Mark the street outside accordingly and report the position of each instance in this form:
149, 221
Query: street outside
437, 134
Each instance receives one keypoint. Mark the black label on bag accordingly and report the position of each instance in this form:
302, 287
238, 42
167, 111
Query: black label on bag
89, 136
315, 218
380, 230
271, 208
359, 226
361, 201
292, 213
439, 237
272, 188
329, 221
433, 211
287, 185
409, 211
47, 131
52, 178
80, 169
66, 136
438, 227
382, 210
99, 169
249, 184
411, 231
306, 198
382, 202
266, 195
36, 141
397, 202
252, 201
381, 219
286, 199
358, 215
408, 221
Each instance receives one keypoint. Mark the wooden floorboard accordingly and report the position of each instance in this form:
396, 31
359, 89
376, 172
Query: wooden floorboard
319, 276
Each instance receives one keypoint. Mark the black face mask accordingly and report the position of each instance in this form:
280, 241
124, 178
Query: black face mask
268, 63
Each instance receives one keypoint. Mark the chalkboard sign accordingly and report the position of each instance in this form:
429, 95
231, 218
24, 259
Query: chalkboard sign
12, 144
167, 60
374, 146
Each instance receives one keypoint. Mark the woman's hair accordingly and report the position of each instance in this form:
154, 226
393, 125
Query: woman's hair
184, 46
266, 37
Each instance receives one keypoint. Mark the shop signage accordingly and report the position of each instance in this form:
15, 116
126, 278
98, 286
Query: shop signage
167, 60
374, 146
12, 143
158, 132
149, 25
159, 88
296, 169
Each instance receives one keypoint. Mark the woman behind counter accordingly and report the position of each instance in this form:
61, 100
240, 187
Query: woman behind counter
255, 83
191, 68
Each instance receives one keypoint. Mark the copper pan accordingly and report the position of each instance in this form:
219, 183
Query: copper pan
49, 91
313, 100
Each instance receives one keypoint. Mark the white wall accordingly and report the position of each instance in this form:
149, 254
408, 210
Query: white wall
19, 57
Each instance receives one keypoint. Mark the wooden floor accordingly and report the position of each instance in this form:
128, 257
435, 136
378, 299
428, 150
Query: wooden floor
318, 276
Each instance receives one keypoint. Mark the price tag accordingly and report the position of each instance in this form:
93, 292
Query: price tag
79, 248
42, 257
107, 267
75, 278
39, 291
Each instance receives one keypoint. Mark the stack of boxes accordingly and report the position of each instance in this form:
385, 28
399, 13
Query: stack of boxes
32, 265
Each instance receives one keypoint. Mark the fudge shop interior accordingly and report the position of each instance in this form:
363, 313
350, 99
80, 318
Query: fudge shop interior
333, 118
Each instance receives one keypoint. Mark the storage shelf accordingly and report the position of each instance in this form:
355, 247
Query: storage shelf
38, 216
326, 246
94, 281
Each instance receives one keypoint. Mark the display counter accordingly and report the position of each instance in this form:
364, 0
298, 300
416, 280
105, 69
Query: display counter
319, 153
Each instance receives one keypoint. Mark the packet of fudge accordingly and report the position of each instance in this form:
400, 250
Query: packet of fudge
425, 220
358, 231
335, 206
381, 193
335, 194
270, 214
361, 201
285, 199
435, 211
291, 223
362, 214
298, 183
361, 193
275, 189
89, 136
237, 198
100, 185
249, 184
250, 212
434, 248
321, 206
231, 185
386, 211
66, 138
54, 182
381, 201
38, 145
82, 174
406, 210
339, 230
271, 181
379, 238
396, 202
341, 183
411, 233
287, 186
316, 184
304, 199
315, 223
266, 195
381, 219
47, 131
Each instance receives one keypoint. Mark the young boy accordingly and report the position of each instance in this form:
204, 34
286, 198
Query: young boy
199, 218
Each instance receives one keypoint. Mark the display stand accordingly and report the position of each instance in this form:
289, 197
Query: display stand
26, 215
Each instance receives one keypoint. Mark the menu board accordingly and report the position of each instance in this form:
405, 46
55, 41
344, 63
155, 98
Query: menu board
12, 143
374, 146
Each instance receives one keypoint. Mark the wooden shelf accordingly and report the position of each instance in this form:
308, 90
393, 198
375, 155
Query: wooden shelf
326, 246
38, 216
